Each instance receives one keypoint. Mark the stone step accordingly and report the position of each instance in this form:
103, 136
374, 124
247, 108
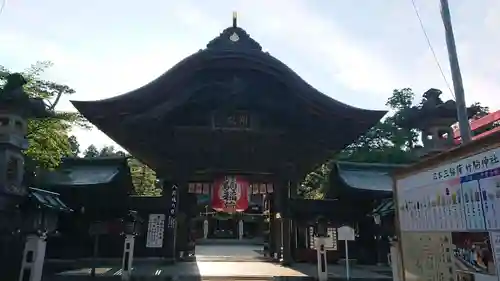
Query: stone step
237, 278
203, 278
162, 278
231, 258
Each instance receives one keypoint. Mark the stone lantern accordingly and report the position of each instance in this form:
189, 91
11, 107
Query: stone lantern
321, 227
131, 228
434, 119
40, 214
16, 107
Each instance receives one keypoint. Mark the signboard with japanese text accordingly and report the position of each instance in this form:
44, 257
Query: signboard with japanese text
449, 219
172, 208
232, 120
156, 229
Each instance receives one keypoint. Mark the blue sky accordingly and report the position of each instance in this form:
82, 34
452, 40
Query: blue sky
354, 51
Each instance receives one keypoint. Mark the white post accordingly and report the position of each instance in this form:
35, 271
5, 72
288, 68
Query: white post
240, 229
33, 257
321, 258
205, 229
395, 262
128, 256
346, 233
347, 273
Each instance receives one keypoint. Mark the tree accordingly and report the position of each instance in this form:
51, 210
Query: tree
74, 146
107, 150
481, 112
386, 142
317, 182
91, 152
143, 178
48, 138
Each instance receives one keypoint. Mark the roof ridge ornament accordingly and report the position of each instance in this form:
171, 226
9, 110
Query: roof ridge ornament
234, 37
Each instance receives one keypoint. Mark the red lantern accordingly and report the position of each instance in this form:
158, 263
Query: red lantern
230, 194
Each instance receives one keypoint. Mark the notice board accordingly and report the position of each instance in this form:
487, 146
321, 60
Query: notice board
448, 215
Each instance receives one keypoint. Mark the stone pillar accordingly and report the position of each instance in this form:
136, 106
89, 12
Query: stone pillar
170, 191
33, 257
396, 265
205, 228
16, 108
128, 256
240, 229
183, 220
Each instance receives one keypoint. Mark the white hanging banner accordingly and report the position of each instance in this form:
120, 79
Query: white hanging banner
156, 228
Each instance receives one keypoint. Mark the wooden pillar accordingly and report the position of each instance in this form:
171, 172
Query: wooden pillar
293, 225
170, 192
271, 237
283, 227
183, 220
276, 220
286, 257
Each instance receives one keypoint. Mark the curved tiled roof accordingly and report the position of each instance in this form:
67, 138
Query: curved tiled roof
222, 52
367, 176
233, 51
47, 199
77, 172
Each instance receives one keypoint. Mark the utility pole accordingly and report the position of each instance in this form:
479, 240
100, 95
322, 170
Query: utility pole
463, 120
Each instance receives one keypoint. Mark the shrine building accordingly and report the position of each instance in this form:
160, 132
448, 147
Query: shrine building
231, 131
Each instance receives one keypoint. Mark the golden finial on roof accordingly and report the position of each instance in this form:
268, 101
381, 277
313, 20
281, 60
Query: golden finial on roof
235, 19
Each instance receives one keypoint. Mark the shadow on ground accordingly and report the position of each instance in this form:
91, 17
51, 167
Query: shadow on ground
211, 262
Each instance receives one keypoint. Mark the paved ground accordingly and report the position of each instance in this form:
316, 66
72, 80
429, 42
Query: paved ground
205, 268
235, 269
246, 241
225, 252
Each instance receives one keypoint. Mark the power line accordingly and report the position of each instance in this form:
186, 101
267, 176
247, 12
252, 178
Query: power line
431, 48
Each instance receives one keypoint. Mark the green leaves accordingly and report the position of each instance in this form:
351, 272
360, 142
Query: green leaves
386, 142
400, 99
144, 179
91, 152
48, 138
316, 183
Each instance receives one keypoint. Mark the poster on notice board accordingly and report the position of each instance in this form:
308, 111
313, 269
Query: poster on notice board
449, 219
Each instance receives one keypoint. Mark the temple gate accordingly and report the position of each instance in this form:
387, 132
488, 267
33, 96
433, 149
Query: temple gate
233, 112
